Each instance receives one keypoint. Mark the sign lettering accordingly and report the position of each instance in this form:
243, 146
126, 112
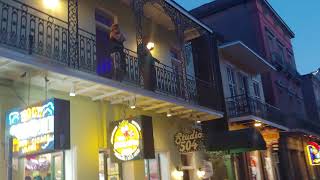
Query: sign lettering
189, 140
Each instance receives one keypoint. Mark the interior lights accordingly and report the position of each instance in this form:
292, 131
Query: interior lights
51, 4
150, 46
201, 173
177, 174
257, 124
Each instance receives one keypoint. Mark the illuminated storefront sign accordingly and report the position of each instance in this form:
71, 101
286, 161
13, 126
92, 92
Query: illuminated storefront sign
39, 128
313, 151
128, 139
189, 140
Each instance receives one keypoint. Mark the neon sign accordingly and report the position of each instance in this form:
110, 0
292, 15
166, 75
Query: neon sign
313, 151
132, 139
126, 139
33, 129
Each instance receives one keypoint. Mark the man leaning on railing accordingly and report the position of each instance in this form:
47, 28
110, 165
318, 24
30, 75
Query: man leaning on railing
147, 65
119, 64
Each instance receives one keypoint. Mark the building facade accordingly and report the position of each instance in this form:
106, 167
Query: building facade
257, 24
246, 108
165, 70
311, 90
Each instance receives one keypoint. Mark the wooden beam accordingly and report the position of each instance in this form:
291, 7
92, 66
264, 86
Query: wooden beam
171, 109
147, 102
123, 99
182, 112
107, 95
156, 106
84, 90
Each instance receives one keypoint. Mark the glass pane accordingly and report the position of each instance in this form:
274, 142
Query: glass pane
58, 168
113, 170
101, 166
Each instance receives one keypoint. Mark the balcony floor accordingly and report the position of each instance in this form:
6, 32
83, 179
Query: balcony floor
13, 64
252, 118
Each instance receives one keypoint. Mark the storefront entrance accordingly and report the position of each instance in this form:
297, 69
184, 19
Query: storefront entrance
43, 167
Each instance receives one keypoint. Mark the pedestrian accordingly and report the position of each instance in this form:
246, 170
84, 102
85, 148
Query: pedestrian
117, 52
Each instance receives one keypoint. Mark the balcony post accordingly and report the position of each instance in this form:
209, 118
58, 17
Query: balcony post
73, 33
180, 28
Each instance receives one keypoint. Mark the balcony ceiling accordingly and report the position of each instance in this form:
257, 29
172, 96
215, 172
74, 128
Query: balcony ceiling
157, 14
245, 58
12, 70
250, 119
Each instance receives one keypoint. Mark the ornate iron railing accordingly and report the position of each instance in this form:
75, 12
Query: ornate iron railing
34, 32
244, 105
167, 81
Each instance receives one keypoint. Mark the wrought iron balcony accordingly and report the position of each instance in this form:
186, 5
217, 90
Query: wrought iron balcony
36, 33
244, 105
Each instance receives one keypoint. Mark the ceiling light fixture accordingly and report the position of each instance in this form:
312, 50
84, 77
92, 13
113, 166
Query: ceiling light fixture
72, 92
169, 114
132, 103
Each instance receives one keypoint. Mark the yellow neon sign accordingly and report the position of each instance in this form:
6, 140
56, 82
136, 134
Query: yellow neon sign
126, 140
313, 152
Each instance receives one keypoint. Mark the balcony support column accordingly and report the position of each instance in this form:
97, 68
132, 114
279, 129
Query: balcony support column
73, 33
180, 23
180, 27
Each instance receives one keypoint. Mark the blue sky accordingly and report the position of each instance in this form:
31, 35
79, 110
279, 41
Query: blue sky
303, 18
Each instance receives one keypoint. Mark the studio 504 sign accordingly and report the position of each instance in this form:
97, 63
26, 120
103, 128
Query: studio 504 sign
189, 140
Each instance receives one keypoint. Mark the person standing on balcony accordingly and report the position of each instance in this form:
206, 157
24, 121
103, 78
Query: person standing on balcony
116, 42
147, 65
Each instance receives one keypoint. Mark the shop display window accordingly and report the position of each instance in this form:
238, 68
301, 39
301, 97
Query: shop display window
44, 167
157, 169
107, 169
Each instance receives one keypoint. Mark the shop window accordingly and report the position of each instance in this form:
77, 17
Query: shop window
157, 169
45, 166
107, 169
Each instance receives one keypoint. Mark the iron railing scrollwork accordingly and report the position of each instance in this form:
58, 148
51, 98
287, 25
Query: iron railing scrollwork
167, 80
34, 32
244, 105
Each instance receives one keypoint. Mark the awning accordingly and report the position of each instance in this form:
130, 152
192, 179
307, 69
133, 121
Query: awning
237, 141
241, 55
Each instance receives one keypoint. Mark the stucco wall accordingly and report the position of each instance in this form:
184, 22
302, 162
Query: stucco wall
89, 126
163, 38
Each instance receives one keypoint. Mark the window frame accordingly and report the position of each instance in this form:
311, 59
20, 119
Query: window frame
232, 85
256, 89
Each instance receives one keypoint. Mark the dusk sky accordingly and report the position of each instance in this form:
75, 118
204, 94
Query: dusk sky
303, 18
